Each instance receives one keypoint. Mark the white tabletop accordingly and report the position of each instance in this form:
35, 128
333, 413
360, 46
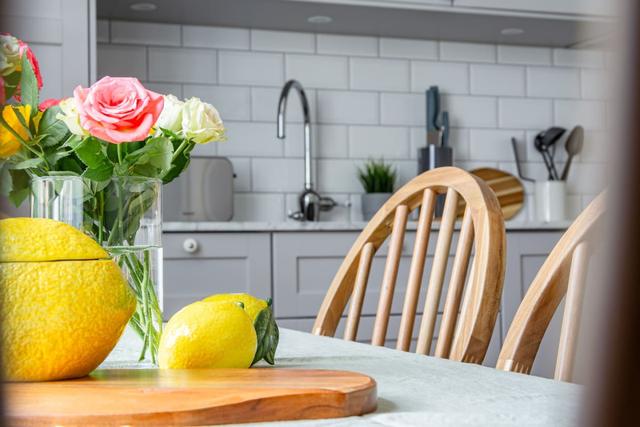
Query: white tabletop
416, 390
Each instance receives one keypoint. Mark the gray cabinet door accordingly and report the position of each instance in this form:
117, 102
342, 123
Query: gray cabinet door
304, 264
526, 252
221, 262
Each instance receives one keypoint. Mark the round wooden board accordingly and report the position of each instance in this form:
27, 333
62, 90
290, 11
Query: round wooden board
508, 189
191, 397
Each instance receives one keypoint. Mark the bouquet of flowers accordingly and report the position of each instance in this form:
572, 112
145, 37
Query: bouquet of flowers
114, 129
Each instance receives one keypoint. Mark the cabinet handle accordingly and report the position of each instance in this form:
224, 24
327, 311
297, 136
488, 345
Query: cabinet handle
190, 245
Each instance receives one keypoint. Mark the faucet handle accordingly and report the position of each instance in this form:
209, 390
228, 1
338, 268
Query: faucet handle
328, 203
298, 216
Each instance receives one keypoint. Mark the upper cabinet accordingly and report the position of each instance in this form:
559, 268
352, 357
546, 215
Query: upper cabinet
572, 7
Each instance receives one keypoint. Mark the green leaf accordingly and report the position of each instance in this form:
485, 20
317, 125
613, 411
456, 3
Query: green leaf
28, 164
71, 164
268, 336
153, 159
90, 152
20, 189
11, 83
180, 163
28, 85
53, 130
5, 178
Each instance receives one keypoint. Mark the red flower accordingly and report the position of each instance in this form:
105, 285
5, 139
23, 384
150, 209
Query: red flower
24, 48
48, 103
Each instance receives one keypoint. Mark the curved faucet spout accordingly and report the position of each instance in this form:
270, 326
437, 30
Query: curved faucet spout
282, 107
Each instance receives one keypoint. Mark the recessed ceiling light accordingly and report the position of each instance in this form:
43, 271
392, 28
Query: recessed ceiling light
511, 31
320, 19
143, 7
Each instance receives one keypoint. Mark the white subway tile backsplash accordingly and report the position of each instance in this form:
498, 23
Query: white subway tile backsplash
594, 84
408, 48
524, 55
277, 175
366, 97
379, 74
258, 207
215, 37
378, 142
122, 61
331, 141
264, 105
146, 33
282, 41
497, 80
233, 102
339, 176
182, 65
578, 58
548, 82
449, 77
102, 31
347, 45
589, 114
174, 89
470, 111
348, 107
402, 109
251, 140
492, 144
325, 72
521, 113
471, 52
251, 68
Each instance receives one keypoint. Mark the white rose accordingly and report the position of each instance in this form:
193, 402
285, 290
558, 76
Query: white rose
171, 115
9, 54
71, 117
201, 122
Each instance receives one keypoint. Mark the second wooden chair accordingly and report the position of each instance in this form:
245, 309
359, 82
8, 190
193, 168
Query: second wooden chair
467, 322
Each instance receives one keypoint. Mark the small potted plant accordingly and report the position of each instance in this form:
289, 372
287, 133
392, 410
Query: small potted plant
378, 180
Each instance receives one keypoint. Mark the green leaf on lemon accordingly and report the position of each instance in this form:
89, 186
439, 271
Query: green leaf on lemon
268, 336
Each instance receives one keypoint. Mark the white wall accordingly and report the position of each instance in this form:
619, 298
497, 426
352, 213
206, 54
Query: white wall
367, 100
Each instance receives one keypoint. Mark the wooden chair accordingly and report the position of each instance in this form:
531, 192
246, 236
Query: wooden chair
563, 272
464, 333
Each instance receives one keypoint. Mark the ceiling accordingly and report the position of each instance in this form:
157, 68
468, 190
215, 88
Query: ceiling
363, 20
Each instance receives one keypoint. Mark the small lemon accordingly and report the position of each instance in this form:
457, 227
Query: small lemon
208, 335
252, 305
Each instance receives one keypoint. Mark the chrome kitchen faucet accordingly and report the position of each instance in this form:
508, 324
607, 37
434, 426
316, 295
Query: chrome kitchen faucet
311, 203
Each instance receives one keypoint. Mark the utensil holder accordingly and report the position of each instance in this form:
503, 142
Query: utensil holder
431, 157
551, 200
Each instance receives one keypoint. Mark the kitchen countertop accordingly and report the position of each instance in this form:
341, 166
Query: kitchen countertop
416, 390
233, 226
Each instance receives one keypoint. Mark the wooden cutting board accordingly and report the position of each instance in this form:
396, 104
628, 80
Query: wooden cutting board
191, 397
508, 189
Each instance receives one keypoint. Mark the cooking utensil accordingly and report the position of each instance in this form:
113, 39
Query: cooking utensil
433, 111
514, 145
573, 146
190, 397
537, 143
445, 129
508, 189
544, 141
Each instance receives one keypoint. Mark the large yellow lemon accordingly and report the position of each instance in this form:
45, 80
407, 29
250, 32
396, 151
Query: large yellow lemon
208, 335
64, 302
252, 305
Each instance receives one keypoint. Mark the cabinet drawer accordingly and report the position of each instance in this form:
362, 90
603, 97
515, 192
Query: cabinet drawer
198, 264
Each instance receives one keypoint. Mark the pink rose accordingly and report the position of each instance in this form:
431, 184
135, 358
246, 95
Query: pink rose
47, 103
118, 109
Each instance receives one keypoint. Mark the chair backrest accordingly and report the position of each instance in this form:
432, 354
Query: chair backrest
563, 272
464, 332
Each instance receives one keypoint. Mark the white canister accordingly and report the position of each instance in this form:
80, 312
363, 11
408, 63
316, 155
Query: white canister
551, 200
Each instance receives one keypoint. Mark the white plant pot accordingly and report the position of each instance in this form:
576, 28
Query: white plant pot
551, 200
372, 202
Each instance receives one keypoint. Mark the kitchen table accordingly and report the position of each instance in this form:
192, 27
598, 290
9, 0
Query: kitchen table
417, 390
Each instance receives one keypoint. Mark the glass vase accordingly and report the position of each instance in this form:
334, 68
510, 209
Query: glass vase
124, 215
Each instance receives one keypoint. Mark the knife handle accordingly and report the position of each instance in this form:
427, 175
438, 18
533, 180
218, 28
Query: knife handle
433, 108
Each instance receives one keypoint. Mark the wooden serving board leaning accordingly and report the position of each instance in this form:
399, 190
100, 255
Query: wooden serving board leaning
191, 397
